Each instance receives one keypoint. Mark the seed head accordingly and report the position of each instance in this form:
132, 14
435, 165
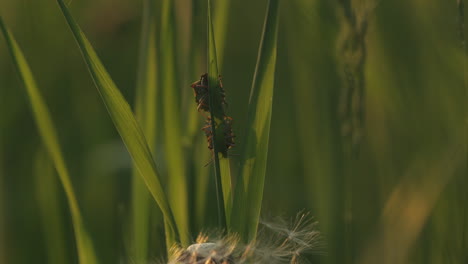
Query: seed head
276, 243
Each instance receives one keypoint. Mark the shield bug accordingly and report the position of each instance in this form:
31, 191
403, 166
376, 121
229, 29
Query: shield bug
228, 135
202, 94
200, 90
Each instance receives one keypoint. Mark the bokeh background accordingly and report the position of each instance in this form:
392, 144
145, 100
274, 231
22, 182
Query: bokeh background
368, 133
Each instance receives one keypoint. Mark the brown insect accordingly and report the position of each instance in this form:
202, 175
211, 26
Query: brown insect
202, 94
227, 133
208, 129
200, 89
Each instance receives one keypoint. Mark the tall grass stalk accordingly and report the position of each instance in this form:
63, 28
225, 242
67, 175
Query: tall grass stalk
2, 203
462, 36
354, 19
200, 174
220, 158
48, 134
195, 146
146, 115
202, 179
3, 129
314, 95
249, 190
351, 54
197, 63
126, 125
177, 180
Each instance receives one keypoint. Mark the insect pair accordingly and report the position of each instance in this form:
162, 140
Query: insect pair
202, 98
202, 93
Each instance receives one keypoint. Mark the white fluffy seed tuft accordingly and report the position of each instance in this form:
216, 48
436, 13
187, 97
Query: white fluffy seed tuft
277, 242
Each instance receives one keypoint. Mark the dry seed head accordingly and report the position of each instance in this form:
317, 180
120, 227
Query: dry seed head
276, 243
220, 251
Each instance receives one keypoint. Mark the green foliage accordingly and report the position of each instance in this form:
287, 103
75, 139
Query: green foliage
176, 180
249, 191
48, 198
49, 136
126, 125
146, 115
221, 18
366, 129
217, 115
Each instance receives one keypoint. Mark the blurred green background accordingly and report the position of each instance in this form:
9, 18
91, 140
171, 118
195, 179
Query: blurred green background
368, 133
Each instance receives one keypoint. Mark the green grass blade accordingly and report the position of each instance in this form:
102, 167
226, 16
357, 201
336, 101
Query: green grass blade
47, 193
221, 161
125, 122
255, 148
145, 112
221, 18
2, 206
197, 61
200, 175
177, 178
47, 131
202, 178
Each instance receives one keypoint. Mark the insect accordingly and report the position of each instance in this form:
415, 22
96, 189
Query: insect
208, 129
202, 93
227, 133
200, 89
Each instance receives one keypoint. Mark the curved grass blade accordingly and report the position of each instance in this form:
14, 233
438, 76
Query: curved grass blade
126, 124
48, 199
47, 131
220, 151
249, 190
177, 179
146, 115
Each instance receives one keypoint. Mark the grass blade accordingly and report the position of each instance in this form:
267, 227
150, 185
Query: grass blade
197, 62
126, 124
221, 20
255, 148
47, 193
2, 209
201, 182
177, 179
200, 175
145, 112
47, 131
220, 151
